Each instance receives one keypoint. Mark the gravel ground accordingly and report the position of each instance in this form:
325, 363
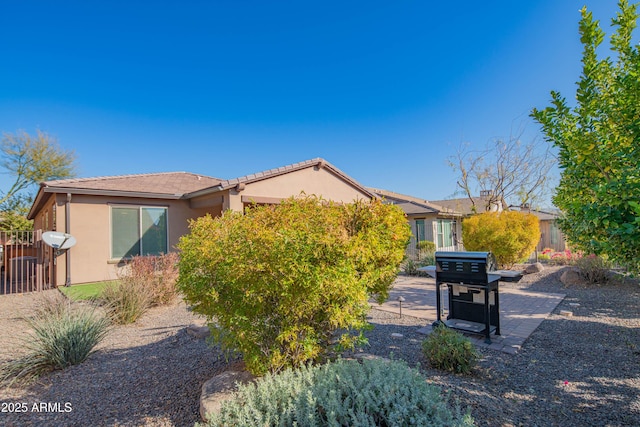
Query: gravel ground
580, 370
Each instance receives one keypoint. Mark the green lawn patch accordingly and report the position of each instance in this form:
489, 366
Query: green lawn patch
85, 291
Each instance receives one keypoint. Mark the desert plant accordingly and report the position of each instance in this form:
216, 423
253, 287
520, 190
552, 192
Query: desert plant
426, 258
449, 350
156, 274
125, 302
280, 281
344, 393
410, 267
144, 282
510, 235
594, 269
63, 335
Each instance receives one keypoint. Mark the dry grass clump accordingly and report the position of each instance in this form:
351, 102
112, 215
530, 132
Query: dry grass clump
143, 283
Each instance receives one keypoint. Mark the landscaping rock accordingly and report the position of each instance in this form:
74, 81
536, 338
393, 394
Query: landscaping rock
571, 277
220, 389
366, 356
199, 332
534, 268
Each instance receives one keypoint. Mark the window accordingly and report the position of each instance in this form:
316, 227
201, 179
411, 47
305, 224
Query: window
553, 233
138, 231
446, 229
420, 236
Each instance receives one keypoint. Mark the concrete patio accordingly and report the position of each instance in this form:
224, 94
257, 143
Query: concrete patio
521, 312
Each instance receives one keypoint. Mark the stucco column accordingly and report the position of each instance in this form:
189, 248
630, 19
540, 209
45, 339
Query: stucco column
234, 201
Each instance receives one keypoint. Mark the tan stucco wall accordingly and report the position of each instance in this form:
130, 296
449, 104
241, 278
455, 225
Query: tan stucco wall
312, 180
90, 225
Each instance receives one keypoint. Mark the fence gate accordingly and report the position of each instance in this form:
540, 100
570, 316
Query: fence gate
26, 262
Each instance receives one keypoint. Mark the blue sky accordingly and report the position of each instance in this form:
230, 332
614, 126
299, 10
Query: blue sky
386, 91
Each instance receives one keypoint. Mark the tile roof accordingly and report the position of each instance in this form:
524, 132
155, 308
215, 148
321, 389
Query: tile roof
258, 176
413, 205
166, 183
464, 205
273, 172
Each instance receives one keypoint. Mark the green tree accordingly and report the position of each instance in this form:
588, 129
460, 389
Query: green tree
599, 144
29, 160
279, 282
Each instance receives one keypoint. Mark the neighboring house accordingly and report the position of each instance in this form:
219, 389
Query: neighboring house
428, 221
550, 234
470, 205
116, 217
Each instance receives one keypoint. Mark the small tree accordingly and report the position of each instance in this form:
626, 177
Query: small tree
511, 236
279, 281
29, 160
598, 140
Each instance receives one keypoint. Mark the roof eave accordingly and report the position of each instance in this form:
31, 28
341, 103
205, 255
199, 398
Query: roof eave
38, 201
40, 198
114, 193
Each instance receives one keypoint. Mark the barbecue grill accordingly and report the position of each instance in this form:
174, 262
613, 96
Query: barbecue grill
472, 282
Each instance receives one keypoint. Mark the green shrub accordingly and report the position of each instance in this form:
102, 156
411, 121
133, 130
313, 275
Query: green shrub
144, 282
426, 258
410, 267
426, 245
344, 393
594, 269
279, 281
511, 236
63, 335
449, 350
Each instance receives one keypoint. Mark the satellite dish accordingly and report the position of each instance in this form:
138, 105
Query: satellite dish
58, 241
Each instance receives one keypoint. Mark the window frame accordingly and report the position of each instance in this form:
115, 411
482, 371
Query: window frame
139, 208
421, 231
440, 237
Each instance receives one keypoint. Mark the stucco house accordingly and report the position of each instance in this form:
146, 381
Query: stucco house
550, 234
116, 217
428, 221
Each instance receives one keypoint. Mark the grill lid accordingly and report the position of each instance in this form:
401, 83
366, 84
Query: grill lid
465, 267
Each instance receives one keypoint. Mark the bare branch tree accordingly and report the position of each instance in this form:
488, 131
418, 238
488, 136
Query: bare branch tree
504, 172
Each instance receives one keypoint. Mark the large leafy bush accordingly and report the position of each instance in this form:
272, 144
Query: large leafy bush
279, 281
344, 393
597, 139
510, 235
